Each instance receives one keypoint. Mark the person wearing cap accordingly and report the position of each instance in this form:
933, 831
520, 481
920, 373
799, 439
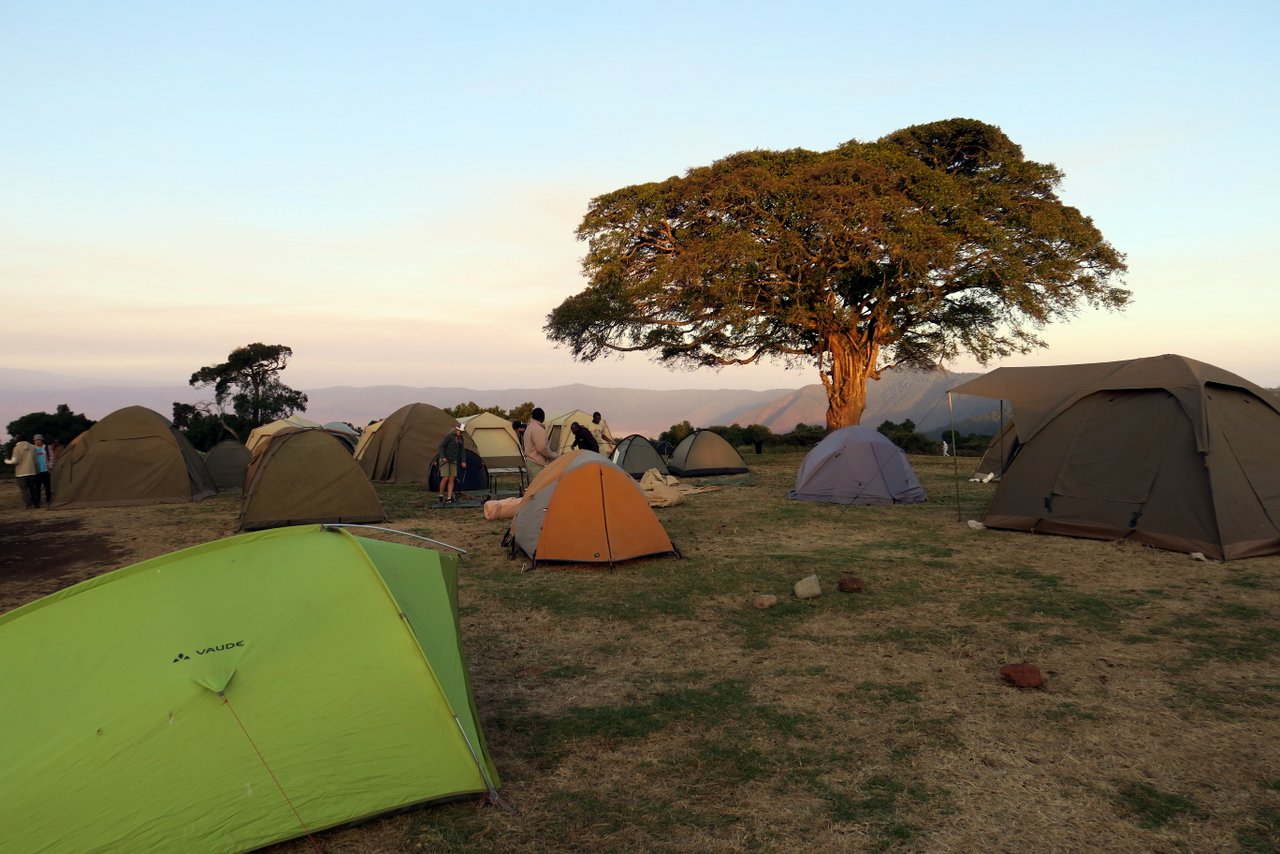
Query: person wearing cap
44, 472
452, 457
23, 460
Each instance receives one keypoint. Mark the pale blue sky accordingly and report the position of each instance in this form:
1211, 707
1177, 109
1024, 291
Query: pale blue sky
391, 188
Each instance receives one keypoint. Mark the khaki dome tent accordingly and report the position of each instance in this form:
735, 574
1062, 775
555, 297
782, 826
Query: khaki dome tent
227, 462
132, 456
705, 453
303, 476
857, 465
496, 442
582, 508
636, 455
400, 448
237, 694
1165, 450
261, 434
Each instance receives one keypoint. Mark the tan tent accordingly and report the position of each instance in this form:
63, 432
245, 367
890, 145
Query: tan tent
496, 441
132, 456
705, 453
560, 437
305, 476
261, 434
1165, 451
400, 448
584, 509
227, 462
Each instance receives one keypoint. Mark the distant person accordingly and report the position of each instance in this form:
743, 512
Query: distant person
536, 451
23, 460
44, 471
946, 449
518, 427
453, 457
583, 438
601, 431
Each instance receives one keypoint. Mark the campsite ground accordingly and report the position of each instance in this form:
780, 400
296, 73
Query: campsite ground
651, 707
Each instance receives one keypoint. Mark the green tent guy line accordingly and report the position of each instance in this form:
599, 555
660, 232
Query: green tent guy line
236, 694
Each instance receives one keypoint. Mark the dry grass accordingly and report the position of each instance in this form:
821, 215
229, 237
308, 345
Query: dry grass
652, 708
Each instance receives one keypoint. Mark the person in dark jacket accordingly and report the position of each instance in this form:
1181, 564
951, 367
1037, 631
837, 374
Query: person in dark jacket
583, 439
453, 457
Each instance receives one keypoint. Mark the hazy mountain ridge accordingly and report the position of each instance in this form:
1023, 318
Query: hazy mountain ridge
898, 396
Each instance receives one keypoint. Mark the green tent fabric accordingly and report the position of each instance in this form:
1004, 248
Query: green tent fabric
236, 694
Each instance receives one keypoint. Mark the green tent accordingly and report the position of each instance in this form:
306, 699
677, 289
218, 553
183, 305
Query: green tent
236, 694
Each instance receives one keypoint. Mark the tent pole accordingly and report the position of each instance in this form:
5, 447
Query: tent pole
328, 525
955, 452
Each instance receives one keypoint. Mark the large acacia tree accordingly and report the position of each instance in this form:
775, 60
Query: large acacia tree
932, 241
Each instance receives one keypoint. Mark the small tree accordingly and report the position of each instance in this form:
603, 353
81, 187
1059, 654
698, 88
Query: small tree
249, 382
61, 426
675, 435
757, 435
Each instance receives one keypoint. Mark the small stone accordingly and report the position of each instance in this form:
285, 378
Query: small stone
976, 525
765, 600
808, 588
1024, 675
850, 584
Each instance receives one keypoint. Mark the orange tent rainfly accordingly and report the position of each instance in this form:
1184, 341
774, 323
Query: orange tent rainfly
584, 509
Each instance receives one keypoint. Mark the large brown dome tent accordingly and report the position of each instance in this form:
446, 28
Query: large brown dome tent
582, 508
132, 456
1163, 450
400, 448
300, 477
704, 453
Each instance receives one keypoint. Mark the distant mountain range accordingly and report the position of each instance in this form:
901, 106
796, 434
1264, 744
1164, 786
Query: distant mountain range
918, 396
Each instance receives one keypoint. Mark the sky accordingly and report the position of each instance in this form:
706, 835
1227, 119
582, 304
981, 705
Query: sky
392, 189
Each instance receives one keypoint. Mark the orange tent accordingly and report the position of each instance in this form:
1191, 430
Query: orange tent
583, 508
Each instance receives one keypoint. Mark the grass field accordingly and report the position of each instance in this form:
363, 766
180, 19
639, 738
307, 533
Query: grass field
651, 707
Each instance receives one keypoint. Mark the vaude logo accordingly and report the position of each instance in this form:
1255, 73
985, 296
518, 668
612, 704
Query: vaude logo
209, 650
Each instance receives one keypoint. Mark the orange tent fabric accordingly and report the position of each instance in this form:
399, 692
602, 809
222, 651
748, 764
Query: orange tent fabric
583, 508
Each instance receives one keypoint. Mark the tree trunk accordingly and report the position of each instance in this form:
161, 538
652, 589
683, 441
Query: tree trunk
845, 380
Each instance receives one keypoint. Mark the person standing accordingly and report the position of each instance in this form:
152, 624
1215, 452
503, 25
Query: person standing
583, 438
536, 451
23, 460
600, 430
453, 458
44, 471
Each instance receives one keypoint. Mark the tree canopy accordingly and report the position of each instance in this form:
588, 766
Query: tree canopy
60, 426
932, 241
248, 383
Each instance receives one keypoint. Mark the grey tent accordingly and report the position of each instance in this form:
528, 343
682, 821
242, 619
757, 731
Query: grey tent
704, 453
227, 462
857, 465
636, 455
1164, 450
